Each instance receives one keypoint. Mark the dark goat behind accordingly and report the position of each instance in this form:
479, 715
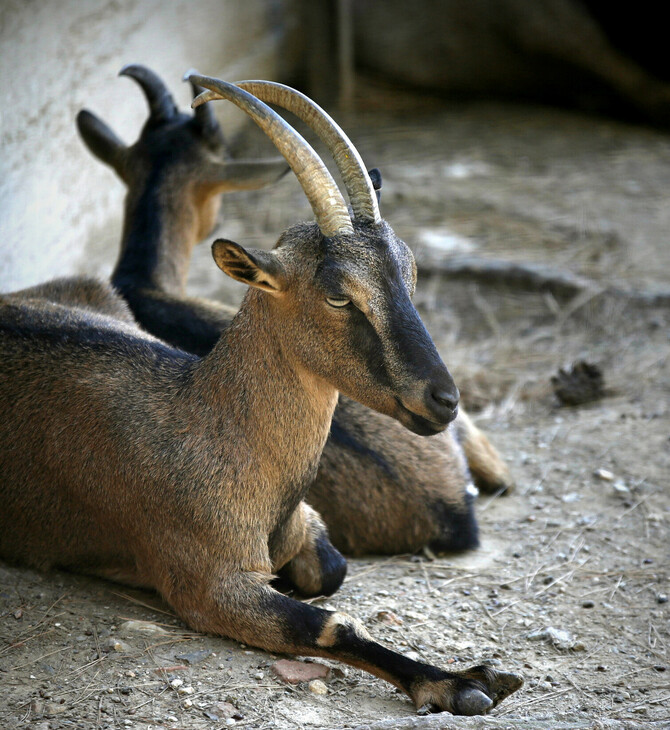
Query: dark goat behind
379, 488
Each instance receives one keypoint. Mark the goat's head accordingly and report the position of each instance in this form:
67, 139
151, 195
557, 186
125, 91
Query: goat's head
183, 154
343, 288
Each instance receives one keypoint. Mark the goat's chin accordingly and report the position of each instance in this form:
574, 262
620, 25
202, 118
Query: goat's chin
418, 424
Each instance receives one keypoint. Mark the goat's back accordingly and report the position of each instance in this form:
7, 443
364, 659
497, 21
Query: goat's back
86, 415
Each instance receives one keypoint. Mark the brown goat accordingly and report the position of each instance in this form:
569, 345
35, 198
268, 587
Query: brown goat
129, 459
379, 487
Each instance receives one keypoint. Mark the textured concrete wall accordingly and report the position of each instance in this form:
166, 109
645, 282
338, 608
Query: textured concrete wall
58, 56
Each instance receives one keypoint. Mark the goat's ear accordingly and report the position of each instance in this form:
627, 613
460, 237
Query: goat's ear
101, 141
244, 174
256, 268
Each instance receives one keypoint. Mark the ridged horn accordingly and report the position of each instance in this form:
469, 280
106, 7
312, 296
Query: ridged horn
317, 183
359, 187
161, 103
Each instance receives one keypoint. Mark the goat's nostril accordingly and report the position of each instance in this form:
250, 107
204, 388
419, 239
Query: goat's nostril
446, 398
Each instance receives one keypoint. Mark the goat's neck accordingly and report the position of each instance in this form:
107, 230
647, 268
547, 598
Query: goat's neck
159, 232
252, 379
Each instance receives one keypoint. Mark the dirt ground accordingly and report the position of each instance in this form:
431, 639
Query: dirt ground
570, 587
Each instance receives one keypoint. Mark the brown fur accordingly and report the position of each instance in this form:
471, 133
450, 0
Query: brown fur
125, 458
379, 488
84, 293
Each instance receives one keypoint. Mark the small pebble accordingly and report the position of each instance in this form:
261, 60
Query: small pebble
559, 638
588, 604
317, 687
118, 645
604, 474
662, 598
142, 627
228, 711
294, 672
195, 657
587, 521
386, 616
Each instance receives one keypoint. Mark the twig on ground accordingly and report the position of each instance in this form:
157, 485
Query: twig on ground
39, 658
143, 604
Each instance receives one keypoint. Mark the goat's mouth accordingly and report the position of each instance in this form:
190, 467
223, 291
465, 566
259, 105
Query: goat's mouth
421, 425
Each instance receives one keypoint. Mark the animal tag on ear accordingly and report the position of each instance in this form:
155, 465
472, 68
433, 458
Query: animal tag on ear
376, 180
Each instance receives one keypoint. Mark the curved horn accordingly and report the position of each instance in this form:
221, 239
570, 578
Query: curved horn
161, 103
323, 194
204, 114
354, 174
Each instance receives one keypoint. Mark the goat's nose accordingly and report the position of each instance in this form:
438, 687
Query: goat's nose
445, 398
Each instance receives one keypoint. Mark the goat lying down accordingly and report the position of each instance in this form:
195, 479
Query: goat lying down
379, 487
126, 458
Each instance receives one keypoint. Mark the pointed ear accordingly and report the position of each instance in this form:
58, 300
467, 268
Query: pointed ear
101, 141
256, 268
243, 174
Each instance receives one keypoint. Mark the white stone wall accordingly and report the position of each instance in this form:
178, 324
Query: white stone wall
57, 203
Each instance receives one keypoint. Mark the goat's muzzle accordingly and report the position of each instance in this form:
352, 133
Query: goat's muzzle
431, 409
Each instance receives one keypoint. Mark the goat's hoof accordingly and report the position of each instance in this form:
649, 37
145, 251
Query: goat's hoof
472, 701
473, 692
482, 689
501, 684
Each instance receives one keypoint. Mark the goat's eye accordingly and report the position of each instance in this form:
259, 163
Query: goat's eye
338, 302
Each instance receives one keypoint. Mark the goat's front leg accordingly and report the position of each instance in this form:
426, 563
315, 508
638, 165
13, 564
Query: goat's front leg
242, 606
303, 556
